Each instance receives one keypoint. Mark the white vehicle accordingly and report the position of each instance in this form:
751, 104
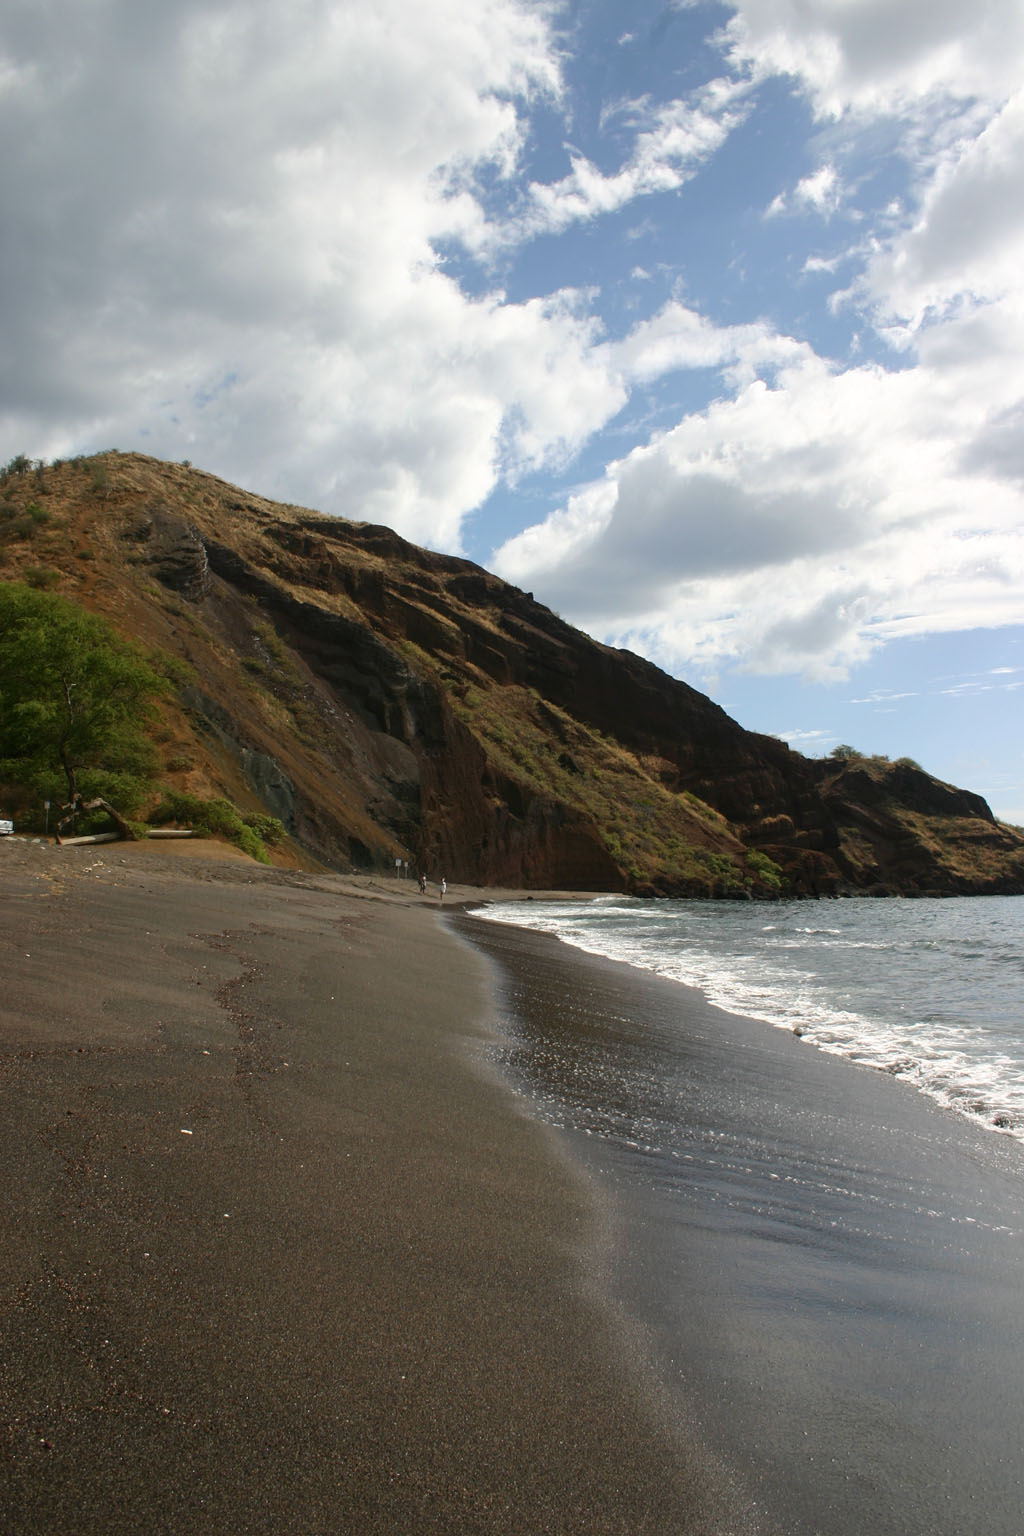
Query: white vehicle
6, 828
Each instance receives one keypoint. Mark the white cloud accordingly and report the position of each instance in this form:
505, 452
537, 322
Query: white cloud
795, 527
881, 56
946, 80
680, 138
967, 241
821, 192
822, 511
225, 248
809, 741
679, 337
967, 690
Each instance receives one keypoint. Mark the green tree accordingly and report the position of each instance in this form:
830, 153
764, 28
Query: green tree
74, 702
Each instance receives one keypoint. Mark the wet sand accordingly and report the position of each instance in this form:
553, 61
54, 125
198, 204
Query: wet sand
279, 1251
828, 1264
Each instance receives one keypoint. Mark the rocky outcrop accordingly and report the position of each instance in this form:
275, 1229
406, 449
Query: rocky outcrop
175, 550
903, 831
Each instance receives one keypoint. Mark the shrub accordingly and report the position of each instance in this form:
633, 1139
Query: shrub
267, 828
212, 816
19, 465
42, 578
766, 870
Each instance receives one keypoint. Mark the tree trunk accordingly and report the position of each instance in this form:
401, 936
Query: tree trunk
99, 804
65, 760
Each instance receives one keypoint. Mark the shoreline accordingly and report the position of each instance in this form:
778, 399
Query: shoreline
873, 1042
279, 1253
826, 1261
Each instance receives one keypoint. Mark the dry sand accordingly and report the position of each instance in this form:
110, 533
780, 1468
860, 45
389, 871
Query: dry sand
280, 1253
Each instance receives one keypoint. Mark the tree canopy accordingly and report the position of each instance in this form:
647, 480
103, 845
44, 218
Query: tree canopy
74, 702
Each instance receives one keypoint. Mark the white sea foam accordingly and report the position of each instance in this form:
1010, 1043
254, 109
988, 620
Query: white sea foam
930, 991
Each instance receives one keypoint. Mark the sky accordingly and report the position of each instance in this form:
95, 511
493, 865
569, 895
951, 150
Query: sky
702, 322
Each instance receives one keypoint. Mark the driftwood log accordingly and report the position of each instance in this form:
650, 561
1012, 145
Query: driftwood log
76, 806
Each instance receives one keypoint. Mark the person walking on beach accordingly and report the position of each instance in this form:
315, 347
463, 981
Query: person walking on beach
444, 887
423, 885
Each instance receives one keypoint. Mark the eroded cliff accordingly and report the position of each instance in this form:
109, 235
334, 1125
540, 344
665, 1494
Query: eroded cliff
389, 703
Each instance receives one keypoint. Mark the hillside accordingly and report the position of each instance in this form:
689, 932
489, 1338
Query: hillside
388, 703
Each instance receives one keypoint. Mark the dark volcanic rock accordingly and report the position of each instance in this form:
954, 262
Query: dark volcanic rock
177, 553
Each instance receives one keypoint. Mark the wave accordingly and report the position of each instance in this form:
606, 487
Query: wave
939, 1007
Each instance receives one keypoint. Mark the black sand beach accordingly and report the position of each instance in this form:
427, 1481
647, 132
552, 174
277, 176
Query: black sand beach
279, 1254
283, 1252
830, 1266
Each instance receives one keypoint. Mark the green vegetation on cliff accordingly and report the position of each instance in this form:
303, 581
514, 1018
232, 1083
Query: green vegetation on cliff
658, 839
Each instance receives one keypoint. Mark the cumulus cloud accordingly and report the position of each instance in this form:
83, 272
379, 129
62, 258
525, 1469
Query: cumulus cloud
877, 56
818, 510
225, 246
797, 525
967, 241
821, 192
678, 336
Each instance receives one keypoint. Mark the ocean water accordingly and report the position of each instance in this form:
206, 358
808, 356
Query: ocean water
825, 1264
931, 991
